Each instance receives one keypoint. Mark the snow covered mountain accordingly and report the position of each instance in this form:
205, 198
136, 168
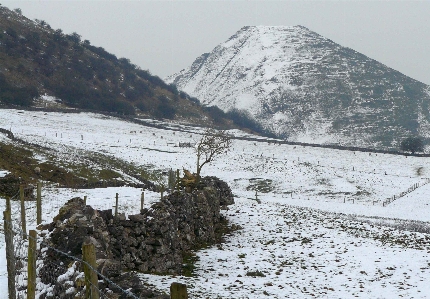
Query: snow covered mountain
304, 87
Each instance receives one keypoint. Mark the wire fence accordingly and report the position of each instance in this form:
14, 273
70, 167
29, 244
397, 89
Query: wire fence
38, 270
404, 193
57, 274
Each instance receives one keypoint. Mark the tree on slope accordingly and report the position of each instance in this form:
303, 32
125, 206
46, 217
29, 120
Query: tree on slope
412, 144
211, 145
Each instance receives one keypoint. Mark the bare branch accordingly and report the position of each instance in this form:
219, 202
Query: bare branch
211, 145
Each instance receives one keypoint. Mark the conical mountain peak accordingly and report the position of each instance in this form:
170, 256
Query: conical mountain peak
302, 86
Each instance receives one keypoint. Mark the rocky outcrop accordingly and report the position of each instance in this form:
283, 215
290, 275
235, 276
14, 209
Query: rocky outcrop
153, 241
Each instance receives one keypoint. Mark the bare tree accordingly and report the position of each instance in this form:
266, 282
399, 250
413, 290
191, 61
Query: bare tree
211, 145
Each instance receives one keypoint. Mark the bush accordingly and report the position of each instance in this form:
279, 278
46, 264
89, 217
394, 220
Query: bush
74, 37
142, 106
255, 273
216, 114
412, 144
11, 32
23, 96
167, 112
244, 119
121, 107
143, 88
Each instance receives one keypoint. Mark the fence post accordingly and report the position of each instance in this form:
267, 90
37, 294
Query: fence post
177, 179
178, 291
116, 205
91, 280
10, 254
39, 203
8, 206
31, 267
142, 200
85, 200
23, 221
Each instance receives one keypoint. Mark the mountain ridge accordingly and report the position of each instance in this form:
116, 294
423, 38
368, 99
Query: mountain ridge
305, 87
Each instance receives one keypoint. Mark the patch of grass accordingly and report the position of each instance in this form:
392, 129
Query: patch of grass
188, 264
79, 169
323, 182
286, 263
17, 160
255, 274
260, 185
21, 163
333, 193
362, 193
306, 240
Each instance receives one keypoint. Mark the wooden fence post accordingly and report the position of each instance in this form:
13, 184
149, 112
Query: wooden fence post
39, 203
85, 200
116, 205
142, 200
8, 206
177, 180
91, 280
31, 267
178, 291
23, 221
10, 254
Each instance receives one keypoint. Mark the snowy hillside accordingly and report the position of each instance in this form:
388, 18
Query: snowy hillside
320, 229
307, 88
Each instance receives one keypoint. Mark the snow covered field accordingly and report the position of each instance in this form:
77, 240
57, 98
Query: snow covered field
293, 244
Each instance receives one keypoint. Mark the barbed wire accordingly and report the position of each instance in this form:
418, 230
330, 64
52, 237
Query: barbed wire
59, 273
126, 292
56, 270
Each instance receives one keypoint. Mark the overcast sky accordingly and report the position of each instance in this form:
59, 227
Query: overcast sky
166, 36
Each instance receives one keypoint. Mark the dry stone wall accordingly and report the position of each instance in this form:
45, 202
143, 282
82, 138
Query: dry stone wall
153, 241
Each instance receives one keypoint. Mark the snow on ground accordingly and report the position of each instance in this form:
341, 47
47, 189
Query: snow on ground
292, 242
288, 252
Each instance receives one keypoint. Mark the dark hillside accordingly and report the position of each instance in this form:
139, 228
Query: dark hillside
35, 60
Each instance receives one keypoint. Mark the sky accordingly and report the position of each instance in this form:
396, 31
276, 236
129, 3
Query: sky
167, 36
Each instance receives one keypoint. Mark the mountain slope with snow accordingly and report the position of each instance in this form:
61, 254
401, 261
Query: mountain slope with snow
305, 87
